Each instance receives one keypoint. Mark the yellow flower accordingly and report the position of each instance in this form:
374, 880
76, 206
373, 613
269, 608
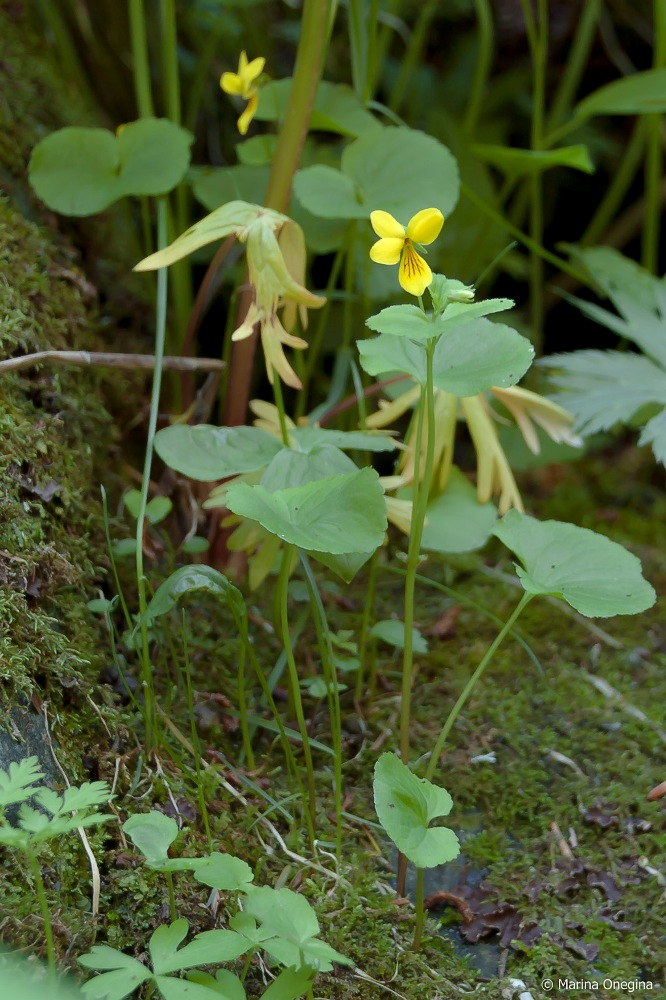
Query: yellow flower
243, 85
529, 408
397, 244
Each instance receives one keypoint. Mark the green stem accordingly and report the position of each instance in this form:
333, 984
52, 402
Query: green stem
283, 581
579, 52
420, 912
654, 155
622, 178
368, 614
333, 694
36, 872
527, 241
172, 896
316, 342
413, 54
279, 403
471, 684
484, 58
140, 60
160, 334
201, 795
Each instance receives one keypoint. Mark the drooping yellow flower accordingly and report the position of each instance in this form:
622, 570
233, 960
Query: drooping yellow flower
243, 84
398, 244
529, 408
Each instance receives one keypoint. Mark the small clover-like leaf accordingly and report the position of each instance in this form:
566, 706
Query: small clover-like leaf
224, 872
125, 976
153, 833
596, 576
406, 805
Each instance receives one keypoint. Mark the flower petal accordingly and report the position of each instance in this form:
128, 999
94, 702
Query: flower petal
385, 225
231, 83
425, 226
415, 274
247, 116
387, 250
254, 69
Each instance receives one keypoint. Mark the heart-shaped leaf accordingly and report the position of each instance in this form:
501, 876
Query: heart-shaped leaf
224, 872
596, 576
406, 805
208, 453
81, 171
153, 833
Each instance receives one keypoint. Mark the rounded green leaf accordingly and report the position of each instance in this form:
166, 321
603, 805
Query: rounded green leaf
153, 833
335, 109
338, 514
328, 193
596, 576
209, 453
401, 171
455, 520
406, 805
81, 171
392, 632
190, 578
224, 872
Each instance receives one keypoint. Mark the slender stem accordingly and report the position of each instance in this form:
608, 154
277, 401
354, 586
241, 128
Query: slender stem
288, 149
527, 241
623, 176
413, 54
172, 896
484, 58
201, 795
420, 912
140, 60
36, 871
315, 344
420, 494
279, 403
368, 614
654, 155
333, 694
283, 581
160, 333
471, 684
579, 52
169, 53
358, 43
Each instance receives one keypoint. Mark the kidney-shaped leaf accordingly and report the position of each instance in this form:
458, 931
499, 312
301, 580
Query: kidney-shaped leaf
208, 453
328, 193
153, 833
406, 805
596, 576
467, 361
80, 171
187, 579
338, 514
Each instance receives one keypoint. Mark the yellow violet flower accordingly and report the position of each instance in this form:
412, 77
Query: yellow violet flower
397, 244
243, 84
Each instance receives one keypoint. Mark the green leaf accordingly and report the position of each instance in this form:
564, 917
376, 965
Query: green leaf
406, 805
455, 520
191, 578
195, 545
338, 514
597, 577
127, 974
654, 433
225, 983
164, 942
16, 783
256, 152
345, 565
289, 985
392, 631
401, 171
224, 872
28, 980
184, 989
123, 548
296, 468
81, 171
328, 193
207, 948
526, 162
216, 186
208, 453
603, 388
412, 322
335, 109
311, 437
467, 361
152, 833
640, 94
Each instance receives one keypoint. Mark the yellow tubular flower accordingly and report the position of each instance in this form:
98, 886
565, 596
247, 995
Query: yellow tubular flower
242, 84
493, 470
397, 244
529, 408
